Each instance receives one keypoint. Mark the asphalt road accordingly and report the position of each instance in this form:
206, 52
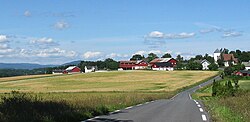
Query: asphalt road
180, 108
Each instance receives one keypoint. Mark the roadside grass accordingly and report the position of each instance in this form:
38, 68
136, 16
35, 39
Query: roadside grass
64, 107
227, 109
108, 81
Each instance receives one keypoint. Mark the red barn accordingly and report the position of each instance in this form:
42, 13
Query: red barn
130, 65
163, 64
73, 69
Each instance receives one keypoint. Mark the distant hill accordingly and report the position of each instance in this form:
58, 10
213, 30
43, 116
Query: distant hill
72, 63
23, 66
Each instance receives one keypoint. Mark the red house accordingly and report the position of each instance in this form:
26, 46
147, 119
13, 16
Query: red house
163, 64
131, 65
72, 69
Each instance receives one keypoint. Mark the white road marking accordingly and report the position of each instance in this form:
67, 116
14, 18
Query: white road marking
190, 96
194, 100
201, 110
146, 102
204, 118
97, 117
138, 105
117, 111
129, 107
199, 105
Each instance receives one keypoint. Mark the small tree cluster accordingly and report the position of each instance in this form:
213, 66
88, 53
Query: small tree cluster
218, 89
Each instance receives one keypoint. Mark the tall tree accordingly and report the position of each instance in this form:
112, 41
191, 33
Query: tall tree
179, 58
167, 55
137, 57
151, 56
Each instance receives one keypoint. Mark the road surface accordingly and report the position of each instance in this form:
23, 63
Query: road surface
180, 108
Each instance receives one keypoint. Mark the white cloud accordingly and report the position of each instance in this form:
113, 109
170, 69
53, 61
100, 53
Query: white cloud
61, 25
3, 38
27, 13
48, 53
92, 55
43, 42
158, 52
156, 34
232, 34
116, 56
161, 35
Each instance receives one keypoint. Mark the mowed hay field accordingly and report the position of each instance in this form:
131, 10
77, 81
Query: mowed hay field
106, 81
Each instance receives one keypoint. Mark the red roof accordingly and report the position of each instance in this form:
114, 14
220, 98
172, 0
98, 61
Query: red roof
229, 57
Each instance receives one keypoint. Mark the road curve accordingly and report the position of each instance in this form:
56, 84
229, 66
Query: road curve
180, 108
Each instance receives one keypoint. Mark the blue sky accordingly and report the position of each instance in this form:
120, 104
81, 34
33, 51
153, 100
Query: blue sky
55, 32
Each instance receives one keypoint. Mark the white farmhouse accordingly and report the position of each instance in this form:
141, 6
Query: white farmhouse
205, 63
247, 65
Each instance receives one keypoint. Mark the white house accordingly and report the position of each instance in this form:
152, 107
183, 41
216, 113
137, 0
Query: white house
205, 63
247, 65
88, 69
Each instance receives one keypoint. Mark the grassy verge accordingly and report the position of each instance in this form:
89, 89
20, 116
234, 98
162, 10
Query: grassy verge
226, 109
66, 107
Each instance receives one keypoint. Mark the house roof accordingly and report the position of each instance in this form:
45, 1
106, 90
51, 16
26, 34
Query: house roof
217, 51
71, 68
202, 61
163, 64
128, 61
229, 57
247, 64
160, 60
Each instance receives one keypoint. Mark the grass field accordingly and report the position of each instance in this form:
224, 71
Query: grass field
81, 96
106, 81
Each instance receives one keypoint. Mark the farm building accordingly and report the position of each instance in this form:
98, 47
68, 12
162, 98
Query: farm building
243, 73
133, 65
204, 64
227, 58
73, 69
247, 65
58, 71
163, 64
88, 69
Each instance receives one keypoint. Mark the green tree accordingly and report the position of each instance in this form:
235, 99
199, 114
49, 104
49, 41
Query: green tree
179, 58
137, 57
213, 67
194, 66
151, 56
167, 55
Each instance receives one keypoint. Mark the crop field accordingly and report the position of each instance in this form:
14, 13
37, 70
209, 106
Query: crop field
81, 96
105, 81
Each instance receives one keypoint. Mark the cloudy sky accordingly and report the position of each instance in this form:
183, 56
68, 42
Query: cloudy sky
55, 32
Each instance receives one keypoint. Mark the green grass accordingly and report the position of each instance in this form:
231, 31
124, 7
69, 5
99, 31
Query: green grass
244, 84
227, 109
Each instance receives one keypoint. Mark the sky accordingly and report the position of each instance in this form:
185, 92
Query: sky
60, 31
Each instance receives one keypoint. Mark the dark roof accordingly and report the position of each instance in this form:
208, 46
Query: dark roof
217, 51
163, 64
245, 71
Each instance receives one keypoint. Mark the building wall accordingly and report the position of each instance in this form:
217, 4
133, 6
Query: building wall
247, 68
205, 66
216, 55
163, 68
